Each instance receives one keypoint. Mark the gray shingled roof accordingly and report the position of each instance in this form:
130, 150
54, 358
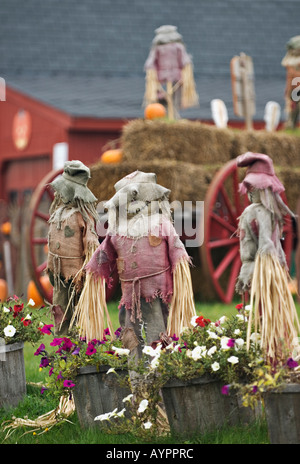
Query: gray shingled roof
87, 57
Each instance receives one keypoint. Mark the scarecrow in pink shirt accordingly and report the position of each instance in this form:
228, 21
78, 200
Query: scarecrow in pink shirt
169, 72
152, 263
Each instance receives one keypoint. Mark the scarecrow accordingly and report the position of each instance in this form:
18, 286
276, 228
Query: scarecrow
169, 65
152, 263
264, 270
72, 239
291, 62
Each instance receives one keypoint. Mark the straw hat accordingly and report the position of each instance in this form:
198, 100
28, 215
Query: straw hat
72, 184
260, 173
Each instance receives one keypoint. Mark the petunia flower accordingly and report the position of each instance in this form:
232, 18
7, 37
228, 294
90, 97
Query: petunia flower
233, 360
31, 302
121, 351
215, 366
9, 331
44, 362
46, 329
127, 398
225, 389
147, 425
291, 363
40, 350
143, 406
68, 384
90, 349
56, 341
111, 371
231, 342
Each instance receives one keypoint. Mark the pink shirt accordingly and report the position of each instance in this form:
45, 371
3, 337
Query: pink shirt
145, 265
168, 60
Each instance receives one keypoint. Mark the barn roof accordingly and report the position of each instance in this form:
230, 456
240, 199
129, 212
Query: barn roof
87, 58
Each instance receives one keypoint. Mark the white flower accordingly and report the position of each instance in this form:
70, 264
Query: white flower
5, 309
147, 425
106, 416
237, 332
224, 343
31, 302
212, 334
127, 398
222, 319
239, 343
121, 413
121, 351
241, 317
198, 352
27, 317
188, 353
9, 331
255, 337
149, 350
111, 371
248, 308
143, 406
233, 360
215, 366
193, 321
155, 362
212, 350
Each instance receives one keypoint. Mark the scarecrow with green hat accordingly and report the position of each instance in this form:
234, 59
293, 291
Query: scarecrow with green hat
72, 239
152, 263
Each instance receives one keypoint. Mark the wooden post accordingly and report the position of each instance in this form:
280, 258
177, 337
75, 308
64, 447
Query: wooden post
246, 96
170, 100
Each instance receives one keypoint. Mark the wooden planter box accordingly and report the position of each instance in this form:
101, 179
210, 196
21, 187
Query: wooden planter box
97, 392
283, 415
198, 405
12, 374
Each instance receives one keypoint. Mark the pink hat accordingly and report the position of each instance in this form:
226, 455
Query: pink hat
260, 173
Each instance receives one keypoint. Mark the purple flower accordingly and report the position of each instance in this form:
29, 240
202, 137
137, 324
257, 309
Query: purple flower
59, 377
68, 384
44, 361
40, 350
50, 371
67, 344
106, 332
231, 342
43, 389
291, 363
254, 389
225, 390
175, 338
118, 332
76, 351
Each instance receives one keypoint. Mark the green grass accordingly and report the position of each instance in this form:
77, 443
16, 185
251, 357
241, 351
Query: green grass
35, 404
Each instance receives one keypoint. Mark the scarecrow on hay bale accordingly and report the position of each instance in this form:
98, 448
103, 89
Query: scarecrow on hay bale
264, 270
169, 64
72, 239
153, 265
291, 62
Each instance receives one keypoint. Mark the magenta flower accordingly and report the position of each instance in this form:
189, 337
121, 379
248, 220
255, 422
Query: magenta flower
59, 377
231, 342
43, 389
254, 389
67, 344
56, 341
50, 371
90, 349
291, 363
68, 384
225, 390
46, 329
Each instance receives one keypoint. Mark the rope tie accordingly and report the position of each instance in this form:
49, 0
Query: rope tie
136, 297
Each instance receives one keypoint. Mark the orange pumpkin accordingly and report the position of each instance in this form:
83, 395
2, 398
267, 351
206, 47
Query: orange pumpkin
32, 291
3, 290
6, 228
154, 111
112, 156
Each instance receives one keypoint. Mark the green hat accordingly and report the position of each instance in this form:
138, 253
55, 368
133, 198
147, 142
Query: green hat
72, 184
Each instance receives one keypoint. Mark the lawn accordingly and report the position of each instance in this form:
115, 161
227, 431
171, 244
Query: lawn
35, 404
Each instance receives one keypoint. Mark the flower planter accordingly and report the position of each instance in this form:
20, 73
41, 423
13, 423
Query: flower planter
12, 374
283, 415
97, 392
198, 405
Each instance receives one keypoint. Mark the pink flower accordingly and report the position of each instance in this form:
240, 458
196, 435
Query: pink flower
225, 390
46, 329
68, 384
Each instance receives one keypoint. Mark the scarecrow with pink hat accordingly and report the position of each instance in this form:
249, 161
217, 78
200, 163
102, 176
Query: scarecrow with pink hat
264, 270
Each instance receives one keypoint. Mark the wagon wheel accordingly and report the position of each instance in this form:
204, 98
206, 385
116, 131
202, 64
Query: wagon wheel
220, 250
37, 236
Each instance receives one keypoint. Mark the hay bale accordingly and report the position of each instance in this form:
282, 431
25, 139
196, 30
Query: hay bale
187, 181
198, 143
283, 148
182, 140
